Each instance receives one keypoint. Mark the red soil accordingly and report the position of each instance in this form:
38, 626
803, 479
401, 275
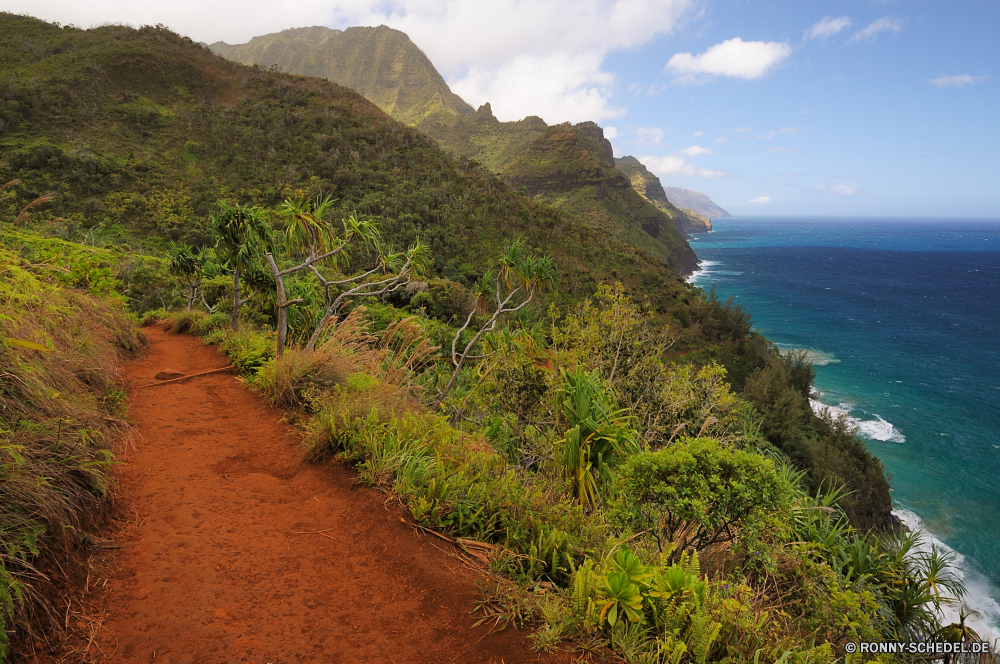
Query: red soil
246, 554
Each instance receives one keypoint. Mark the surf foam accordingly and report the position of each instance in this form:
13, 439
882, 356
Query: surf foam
983, 612
878, 429
702, 272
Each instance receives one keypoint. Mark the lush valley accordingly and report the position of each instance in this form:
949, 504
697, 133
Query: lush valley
588, 392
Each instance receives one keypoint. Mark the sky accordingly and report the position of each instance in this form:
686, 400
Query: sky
846, 108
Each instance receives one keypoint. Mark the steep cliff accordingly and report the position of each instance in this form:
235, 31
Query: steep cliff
649, 187
572, 168
697, 202
381, 63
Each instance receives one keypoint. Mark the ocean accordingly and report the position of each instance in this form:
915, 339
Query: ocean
901, 318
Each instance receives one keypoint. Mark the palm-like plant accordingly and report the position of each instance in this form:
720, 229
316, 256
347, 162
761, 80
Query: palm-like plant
187, 266
598, 434
521, 276
242, 239
308, 234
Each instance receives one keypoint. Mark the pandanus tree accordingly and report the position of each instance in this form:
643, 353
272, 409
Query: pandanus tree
187, 267
326, 254
598, 434
242, 239
519, 278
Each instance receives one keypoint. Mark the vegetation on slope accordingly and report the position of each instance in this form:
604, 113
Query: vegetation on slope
390, 71
138, 133
380, 63
628, 505
572, 168
141, 134
649, 187
60, 408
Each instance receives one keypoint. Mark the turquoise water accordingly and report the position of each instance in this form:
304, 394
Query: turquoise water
902, 319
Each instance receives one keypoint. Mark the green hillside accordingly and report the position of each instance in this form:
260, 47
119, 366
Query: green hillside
482, 137
139, 132
572, 168
649, 187
381, 63
389, 70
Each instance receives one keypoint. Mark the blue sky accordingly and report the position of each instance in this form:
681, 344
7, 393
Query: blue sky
769, 107
867, 132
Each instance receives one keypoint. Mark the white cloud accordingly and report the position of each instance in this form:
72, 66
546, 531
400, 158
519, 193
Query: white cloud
648, 135
673, 165
695, 150
840, 189
741, 130
779, 148
721, 139
610, 132
766, 137
698, 134
557, 88
826, 27
543, 57
959, 81
733, 57
760, 199
788, 130
875, 28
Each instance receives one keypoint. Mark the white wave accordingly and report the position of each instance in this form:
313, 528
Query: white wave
979, 603
702, 271
877, 429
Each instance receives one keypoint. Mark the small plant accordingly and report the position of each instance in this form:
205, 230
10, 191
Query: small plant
598, 435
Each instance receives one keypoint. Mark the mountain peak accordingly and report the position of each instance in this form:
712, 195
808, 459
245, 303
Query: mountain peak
381, 63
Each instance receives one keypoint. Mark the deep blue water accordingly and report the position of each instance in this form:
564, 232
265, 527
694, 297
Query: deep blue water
903, 320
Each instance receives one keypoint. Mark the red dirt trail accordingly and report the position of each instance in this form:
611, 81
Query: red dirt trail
216, 572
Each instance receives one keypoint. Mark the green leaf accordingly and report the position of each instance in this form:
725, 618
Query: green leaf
24, 343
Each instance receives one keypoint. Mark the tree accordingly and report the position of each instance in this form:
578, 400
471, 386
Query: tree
186, 266
307, 232
242, 239
697, 493
396, 268
520, 276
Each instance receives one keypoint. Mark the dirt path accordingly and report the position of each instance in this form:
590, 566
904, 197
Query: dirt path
216, 572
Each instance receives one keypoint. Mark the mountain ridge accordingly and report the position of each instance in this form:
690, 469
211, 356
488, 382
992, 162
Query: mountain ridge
381, 63
649, 187
436, 110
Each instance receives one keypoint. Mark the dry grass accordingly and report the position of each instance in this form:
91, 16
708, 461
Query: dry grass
60, 420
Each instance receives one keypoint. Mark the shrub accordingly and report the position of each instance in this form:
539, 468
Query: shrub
286, 380
697, 493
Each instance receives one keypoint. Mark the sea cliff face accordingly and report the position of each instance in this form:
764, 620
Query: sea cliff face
572, 168
649, 187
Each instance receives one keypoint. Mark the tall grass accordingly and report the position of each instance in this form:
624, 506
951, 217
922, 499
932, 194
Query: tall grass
60, 418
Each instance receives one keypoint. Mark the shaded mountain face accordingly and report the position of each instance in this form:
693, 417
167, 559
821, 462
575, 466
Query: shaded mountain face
572, 168
648, 186
388, 69
699, 203
139, 132
381, 63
